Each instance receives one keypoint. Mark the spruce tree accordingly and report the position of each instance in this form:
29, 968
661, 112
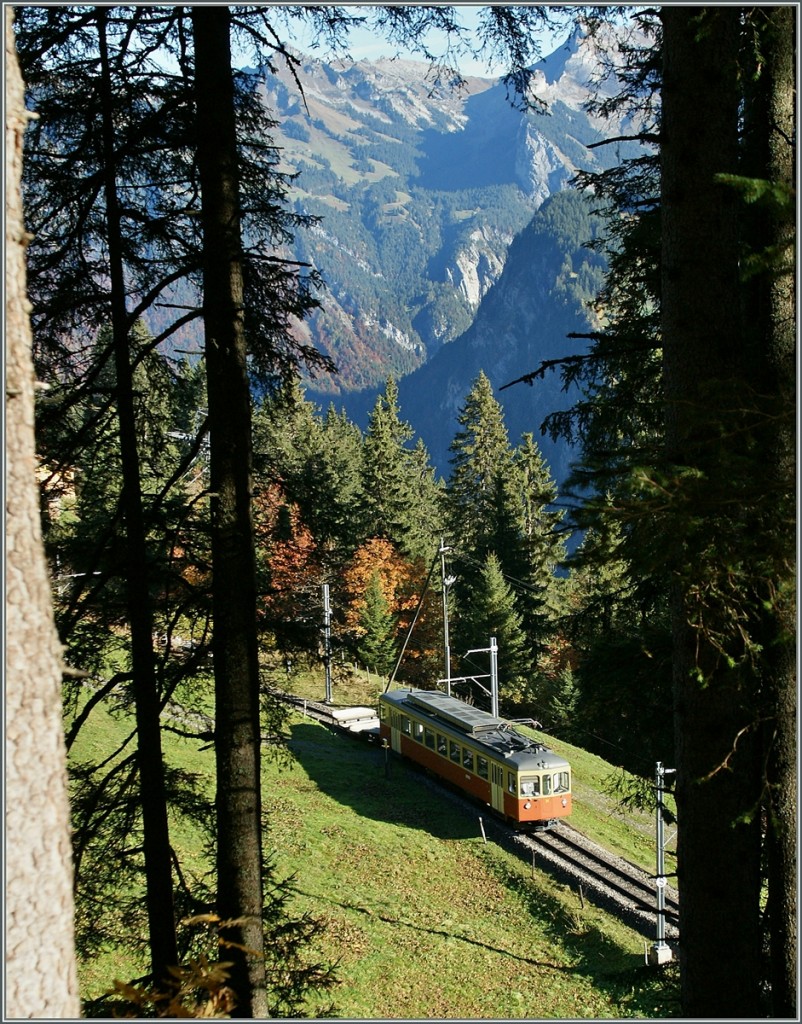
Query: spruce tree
475, 500
492, 612
541, 541
687, 427
399, 493
337, 489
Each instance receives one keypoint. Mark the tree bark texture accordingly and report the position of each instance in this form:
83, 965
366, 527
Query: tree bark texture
236, 665
770, 126
717, 755
40, 969
156, 837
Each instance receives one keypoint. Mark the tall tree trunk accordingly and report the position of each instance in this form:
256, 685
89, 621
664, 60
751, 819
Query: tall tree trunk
41, 972
236, 665
718, 773
770, 123
156, 839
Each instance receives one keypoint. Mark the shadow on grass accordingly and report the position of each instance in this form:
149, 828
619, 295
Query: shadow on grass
645, 991
376, 783
380, 786
440, 933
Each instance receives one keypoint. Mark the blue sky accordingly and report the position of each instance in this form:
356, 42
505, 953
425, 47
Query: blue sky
365, 44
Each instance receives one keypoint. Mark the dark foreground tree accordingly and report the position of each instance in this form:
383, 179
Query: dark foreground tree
236, 657
156, 837
689, 430
711, 441
40, 969
770, 304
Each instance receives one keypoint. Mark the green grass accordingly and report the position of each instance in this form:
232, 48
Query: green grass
428, 920
596, 810
423, 918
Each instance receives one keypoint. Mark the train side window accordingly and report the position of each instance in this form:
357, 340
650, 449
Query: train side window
512, 783
383, 712
454, 752
406, 725
561, 782
429, 738
467, 759
442, 748
546, 785
417, 732
481, 767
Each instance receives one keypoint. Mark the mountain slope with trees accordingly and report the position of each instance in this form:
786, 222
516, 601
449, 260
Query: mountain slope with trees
421, 187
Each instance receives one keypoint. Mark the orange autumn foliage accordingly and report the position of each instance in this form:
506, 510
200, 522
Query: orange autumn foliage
397, 580
288, 549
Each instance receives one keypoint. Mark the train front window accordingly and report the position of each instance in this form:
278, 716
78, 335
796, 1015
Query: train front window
530, 787
546, 785
561, 782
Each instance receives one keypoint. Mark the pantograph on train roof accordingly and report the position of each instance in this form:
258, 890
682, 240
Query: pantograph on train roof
478, 724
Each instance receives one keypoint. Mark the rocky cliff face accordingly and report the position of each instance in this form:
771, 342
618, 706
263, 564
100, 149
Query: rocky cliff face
541, 297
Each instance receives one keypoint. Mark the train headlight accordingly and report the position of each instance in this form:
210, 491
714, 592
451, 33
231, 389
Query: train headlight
527, 805
565, 802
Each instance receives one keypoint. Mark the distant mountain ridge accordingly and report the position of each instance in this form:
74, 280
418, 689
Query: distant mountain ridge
421, 190
450, 239
541, 297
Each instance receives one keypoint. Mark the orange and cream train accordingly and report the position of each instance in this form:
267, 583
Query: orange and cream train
521, 779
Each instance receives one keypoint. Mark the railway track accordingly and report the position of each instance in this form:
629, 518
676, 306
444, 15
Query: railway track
604, 877
601, 877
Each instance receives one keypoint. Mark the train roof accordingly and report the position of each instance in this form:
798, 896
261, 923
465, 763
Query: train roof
480, 726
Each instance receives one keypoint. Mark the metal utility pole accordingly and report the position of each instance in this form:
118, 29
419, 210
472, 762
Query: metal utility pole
661, 952
493, 677
327, 640
493, 651
447, 581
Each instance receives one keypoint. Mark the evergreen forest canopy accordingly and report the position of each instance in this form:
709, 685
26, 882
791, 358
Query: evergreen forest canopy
189, 529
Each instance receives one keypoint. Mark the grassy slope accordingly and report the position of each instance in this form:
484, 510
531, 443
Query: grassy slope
425, 919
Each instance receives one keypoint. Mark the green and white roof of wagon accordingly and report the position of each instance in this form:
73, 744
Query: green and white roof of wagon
456, 717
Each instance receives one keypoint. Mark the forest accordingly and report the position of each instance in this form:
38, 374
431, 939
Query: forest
187, 509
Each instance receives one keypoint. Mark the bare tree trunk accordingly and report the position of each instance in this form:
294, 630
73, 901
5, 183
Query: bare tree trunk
41, 973
234, 645
718, 768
